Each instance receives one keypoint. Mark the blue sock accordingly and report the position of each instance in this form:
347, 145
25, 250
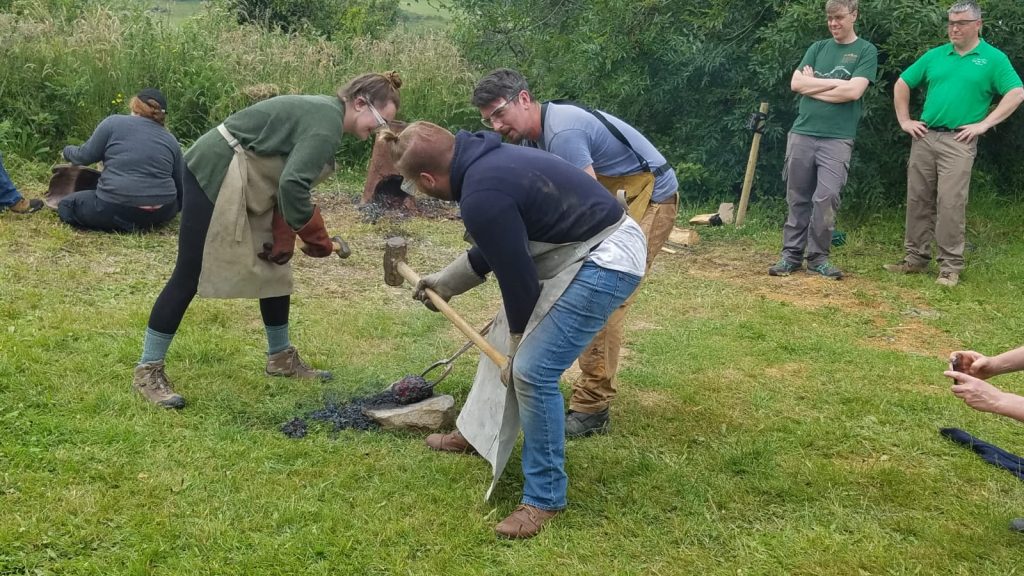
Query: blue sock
155, 345
277, 338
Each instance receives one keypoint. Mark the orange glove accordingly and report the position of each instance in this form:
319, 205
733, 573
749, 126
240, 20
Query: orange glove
317, 242
281, 250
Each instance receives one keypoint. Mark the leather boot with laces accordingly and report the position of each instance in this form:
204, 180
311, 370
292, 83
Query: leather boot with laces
450, 442
525, 522
582, 424
151, 381
287, 363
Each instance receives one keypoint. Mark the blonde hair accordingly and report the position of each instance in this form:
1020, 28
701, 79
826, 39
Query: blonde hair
833, 5
421, 147
150, 109
379, 89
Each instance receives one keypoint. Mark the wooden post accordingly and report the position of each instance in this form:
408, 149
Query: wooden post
748, 179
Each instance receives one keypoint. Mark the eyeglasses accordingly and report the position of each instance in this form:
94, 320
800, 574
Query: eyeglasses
381, 122
960, 23
496, 113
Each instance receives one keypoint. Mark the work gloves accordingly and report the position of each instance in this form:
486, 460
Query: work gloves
455, 279
281, 249
513, 346
316, 242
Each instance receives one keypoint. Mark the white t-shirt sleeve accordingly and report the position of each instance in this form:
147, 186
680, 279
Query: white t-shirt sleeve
625, 250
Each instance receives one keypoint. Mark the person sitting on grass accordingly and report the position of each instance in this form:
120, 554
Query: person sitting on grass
972, 387
11, 199
140, 186
565, 255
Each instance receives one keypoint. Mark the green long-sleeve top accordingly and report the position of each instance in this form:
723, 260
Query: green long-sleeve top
306, 130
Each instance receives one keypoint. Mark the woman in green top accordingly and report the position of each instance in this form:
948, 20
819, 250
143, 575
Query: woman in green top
246, 197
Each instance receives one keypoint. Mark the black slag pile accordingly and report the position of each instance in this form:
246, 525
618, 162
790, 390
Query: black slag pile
348, 414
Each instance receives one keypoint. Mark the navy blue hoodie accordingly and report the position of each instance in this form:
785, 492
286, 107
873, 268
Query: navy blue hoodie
510, 195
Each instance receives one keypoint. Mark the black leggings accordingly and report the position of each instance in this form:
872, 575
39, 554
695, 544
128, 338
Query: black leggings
173, 301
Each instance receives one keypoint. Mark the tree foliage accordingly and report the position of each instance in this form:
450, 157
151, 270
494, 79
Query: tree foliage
688, 73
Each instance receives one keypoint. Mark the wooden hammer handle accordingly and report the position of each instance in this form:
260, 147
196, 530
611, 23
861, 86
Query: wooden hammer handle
442, 306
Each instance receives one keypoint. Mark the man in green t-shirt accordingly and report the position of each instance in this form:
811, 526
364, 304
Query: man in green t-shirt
831, 80
960, 79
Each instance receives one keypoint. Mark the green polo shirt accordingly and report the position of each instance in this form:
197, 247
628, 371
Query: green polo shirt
306, 130
830, 59
960, 89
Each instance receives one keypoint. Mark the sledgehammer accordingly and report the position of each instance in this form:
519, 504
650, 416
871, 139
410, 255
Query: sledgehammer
396, 270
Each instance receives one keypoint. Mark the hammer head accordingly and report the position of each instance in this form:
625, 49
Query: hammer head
394, 252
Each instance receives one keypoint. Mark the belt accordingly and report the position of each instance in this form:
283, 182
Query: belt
942, 129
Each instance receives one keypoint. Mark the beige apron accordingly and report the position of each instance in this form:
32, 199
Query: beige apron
241, 224
637, 191
490, 418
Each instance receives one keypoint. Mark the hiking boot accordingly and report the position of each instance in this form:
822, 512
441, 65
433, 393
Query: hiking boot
905, 267
525, 522
580, 424
948, 279
151, 381
26, 206
783, 268
450, 442
288, 364
1017, 524
827, 270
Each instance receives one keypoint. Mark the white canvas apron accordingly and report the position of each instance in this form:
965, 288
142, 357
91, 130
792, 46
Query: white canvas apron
241, 224
490, 418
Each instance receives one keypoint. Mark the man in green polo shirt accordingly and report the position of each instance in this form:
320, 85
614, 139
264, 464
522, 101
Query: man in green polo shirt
830, 80
961, 79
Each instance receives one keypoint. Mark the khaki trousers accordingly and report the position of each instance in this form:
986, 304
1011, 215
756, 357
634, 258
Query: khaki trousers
938, 180
599, 361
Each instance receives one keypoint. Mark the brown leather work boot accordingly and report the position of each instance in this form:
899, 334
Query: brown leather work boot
450, 442
151, 381
288, 363
525, 522
26, 206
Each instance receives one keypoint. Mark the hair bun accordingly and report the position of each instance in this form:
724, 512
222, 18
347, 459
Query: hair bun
394, 78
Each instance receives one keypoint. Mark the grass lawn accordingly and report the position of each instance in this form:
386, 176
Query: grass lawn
764, 425
423, 15
177, 11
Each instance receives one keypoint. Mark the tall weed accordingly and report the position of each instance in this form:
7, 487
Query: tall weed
66, 69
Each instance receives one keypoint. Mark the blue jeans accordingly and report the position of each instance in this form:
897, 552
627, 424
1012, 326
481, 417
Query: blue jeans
578, 314
8, 193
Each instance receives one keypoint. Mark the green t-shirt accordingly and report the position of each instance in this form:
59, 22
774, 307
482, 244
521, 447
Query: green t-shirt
960, 89
830, 59
304, 129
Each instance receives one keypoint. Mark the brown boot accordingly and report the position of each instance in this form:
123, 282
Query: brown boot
450, 442
26, 206
287, 363
525, 522
151, 381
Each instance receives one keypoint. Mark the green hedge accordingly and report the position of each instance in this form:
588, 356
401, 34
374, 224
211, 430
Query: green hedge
67, 67
688, 73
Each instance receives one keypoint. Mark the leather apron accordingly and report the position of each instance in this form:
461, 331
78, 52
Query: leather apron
633, 191
241, 224
490, 417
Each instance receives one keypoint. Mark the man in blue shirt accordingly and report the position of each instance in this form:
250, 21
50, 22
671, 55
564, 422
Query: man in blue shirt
619, 157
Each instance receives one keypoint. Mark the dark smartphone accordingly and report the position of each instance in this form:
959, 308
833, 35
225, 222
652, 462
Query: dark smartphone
957, 364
